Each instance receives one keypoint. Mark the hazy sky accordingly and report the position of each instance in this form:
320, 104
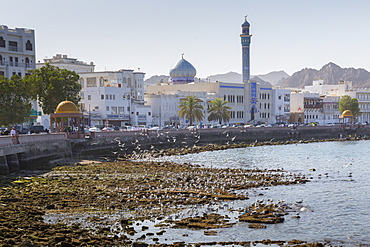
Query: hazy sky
151, 35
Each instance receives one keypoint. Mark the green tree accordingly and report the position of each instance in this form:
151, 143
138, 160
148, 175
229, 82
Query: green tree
191, 109
218, 110
53, 85
348, 103
15, 106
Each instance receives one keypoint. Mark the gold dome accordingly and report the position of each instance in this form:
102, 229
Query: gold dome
347, 113
66, 107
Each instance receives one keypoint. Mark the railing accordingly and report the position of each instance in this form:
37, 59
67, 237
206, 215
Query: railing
14, 48
313, 106
16, 64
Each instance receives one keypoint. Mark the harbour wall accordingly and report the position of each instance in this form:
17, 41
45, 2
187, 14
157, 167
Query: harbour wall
32, 151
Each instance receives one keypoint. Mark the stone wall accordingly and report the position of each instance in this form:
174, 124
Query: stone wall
31, 151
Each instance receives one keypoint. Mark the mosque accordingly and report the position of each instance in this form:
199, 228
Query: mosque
250, 100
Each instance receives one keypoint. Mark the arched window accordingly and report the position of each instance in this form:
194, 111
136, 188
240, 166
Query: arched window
129, 82
2, 42
82, 82
124, 80
27, 62
28, 45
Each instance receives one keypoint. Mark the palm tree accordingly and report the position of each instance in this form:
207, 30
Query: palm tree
218, 110
191, 109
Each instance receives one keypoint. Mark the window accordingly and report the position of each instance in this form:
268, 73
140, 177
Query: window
110, 96
28, 63
101, 82
91, 82
11, 61
121, 110
102, 96
279, 97
106, 96
107, 108
2, 42
114, 109
149, 113
20, 74
2, 73
88, 97
13, 46
28, 46
16, 61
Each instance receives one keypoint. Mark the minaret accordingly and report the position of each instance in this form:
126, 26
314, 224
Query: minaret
246, 41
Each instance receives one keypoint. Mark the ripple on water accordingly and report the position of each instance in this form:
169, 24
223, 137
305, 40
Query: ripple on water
338, 195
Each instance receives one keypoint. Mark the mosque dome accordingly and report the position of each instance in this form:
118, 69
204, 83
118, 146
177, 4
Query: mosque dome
66, 107
182, 72
347, 113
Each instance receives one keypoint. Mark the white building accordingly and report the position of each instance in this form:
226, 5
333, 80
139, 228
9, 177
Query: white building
107, 97
17, 51
17, 57
114, 97
281, 104
65, 62
333, 93
166, 106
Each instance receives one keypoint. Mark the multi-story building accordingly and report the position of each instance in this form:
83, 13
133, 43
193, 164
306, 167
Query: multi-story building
281, 105
17, 57
114, 97
65, 62
107, 97
17, 51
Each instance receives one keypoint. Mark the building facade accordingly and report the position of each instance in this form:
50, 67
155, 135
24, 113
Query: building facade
65, 62
114, 97
17, 51
17, 57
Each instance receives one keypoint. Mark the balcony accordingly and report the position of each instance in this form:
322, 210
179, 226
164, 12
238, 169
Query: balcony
313, 106
14, 48
17, 64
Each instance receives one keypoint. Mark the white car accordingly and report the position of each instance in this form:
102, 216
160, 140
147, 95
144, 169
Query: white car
94, 129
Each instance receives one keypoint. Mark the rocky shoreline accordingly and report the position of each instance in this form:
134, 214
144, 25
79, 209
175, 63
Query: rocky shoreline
97, 203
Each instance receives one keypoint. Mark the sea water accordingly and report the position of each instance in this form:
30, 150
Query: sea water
337, 198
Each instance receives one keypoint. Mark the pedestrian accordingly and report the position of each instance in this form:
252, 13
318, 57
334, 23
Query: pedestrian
13, 132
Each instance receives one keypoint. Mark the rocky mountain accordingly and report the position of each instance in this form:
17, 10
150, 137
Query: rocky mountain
274, 77
228, 77
330, 73
156, 78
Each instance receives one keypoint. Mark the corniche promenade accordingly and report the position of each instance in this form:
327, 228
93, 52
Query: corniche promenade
32, 151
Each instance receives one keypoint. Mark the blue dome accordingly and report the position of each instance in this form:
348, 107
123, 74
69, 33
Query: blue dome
183, 72
183, 69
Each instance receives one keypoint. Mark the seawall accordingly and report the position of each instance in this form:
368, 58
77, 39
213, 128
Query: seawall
32, 151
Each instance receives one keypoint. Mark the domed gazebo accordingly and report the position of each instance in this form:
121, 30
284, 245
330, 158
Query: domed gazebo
67, 118
347, 114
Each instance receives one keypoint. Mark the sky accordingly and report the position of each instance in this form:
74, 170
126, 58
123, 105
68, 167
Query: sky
150, 35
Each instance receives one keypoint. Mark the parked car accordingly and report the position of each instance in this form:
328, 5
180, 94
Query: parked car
94, 129
37, 129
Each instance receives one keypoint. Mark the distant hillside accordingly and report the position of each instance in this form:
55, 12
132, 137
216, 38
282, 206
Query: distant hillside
274, 77
156, 78
228, 77
331, 74
261, 82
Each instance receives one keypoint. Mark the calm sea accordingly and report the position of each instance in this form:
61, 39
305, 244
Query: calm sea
338, 196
